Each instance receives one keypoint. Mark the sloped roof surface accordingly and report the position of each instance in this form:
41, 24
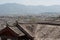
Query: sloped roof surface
48, 31
16, 30
29, 28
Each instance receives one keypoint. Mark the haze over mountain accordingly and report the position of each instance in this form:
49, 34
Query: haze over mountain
19, 9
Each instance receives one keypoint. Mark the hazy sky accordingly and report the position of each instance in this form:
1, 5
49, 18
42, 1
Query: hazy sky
32, 2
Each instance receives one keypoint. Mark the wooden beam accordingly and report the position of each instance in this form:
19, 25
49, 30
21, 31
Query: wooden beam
24, 31
46, 23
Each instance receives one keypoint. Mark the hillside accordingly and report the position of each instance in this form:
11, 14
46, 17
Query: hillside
16, 9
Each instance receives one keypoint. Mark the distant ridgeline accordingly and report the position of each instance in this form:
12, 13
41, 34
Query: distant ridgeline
19, 9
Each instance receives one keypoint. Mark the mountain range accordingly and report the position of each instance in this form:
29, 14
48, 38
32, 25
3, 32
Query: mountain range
19, 9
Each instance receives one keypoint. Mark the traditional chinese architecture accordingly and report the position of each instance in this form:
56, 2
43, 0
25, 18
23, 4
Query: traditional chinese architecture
15, 33
30, 31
